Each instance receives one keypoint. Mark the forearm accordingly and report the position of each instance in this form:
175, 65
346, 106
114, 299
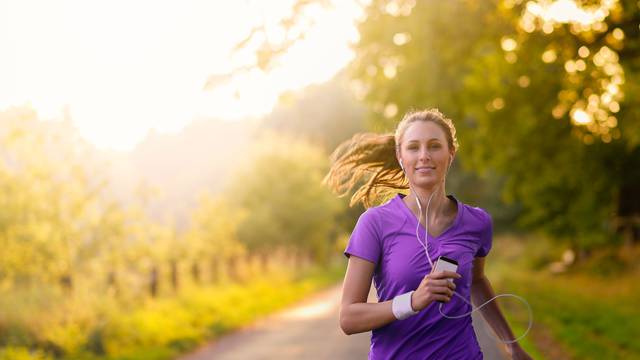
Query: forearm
360, 317
481, 291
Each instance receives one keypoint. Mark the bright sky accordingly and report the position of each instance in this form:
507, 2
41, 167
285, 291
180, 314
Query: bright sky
125, 67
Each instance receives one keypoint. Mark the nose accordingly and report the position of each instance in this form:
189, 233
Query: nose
424, 155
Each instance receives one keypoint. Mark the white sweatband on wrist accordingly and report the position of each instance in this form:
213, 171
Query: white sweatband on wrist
401, 306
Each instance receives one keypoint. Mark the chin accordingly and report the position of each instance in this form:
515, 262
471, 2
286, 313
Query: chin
426, 183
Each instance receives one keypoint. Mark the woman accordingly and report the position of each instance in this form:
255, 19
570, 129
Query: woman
407, 322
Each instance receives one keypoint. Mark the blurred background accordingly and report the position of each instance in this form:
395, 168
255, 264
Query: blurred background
161, 162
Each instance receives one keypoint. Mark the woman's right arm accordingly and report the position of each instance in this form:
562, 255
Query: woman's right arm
356, 315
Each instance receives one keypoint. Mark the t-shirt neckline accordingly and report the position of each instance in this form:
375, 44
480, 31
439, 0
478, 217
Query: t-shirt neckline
410, 214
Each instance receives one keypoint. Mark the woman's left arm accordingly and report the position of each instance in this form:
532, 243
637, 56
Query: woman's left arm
481, 291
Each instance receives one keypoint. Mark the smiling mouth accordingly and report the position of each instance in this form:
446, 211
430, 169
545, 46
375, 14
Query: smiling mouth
425, 170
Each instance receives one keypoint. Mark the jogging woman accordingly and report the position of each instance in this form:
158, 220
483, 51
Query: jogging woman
415, 316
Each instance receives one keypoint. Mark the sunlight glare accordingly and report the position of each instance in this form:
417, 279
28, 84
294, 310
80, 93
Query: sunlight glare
123, 68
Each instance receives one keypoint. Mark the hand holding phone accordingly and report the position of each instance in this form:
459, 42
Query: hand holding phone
436, 286
445, 264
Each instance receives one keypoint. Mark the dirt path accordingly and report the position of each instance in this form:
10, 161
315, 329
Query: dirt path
309, 330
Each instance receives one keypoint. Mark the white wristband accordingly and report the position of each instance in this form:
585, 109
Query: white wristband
401, 306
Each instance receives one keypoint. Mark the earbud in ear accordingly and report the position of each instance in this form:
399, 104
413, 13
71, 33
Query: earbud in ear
402, 167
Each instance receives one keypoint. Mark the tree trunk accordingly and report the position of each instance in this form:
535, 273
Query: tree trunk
215, 270
629, 199
153, 283
174, 275
195, 272
66, 282
297, 258
112, 283
232, 268
264, 262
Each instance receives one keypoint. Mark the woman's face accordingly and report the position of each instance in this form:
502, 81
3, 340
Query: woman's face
425, 153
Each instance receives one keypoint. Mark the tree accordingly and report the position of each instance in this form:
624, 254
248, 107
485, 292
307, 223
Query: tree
325, 114
537, 101
280, 188
51, 197
212, 235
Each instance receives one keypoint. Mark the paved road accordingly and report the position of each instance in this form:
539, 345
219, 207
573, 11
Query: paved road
309, 330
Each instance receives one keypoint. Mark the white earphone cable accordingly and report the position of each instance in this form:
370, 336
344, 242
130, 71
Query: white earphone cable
426, 249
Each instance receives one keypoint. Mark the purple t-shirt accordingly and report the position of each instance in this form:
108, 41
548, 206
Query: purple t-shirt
386, 236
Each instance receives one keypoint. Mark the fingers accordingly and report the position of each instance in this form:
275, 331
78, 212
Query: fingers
440, 293
439, 282
445, 275
451, 285
438, 287
443, 290
442, 298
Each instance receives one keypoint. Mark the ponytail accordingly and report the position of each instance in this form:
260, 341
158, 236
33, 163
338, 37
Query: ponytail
370, 156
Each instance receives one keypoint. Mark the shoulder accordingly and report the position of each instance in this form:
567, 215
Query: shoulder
381, 213
477, 215
385, 209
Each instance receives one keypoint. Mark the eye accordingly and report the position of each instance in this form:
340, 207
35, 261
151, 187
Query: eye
435, 146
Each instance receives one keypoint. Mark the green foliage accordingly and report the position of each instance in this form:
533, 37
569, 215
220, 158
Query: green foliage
280, 189
326, 114
75, 270
20, 353
48, 201
92, 328
593, 326
213, 229
513, 110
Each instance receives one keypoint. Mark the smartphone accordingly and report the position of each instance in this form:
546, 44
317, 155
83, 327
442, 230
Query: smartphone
445, 264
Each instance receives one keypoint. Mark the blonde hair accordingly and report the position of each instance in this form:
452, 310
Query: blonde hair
375, 154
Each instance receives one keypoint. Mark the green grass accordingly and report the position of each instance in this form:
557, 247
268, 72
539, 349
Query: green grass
583, 316
587, 316
162, 328
22, 353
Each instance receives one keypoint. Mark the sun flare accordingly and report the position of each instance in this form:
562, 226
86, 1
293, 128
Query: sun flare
122, 68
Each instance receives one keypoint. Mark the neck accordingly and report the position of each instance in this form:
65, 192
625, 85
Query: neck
438, 201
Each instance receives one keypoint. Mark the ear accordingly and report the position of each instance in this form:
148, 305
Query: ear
399, 158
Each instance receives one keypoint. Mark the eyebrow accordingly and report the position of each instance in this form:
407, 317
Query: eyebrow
411, 141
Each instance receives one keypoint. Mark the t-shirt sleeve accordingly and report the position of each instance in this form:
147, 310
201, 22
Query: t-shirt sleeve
365, 238
486, 236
